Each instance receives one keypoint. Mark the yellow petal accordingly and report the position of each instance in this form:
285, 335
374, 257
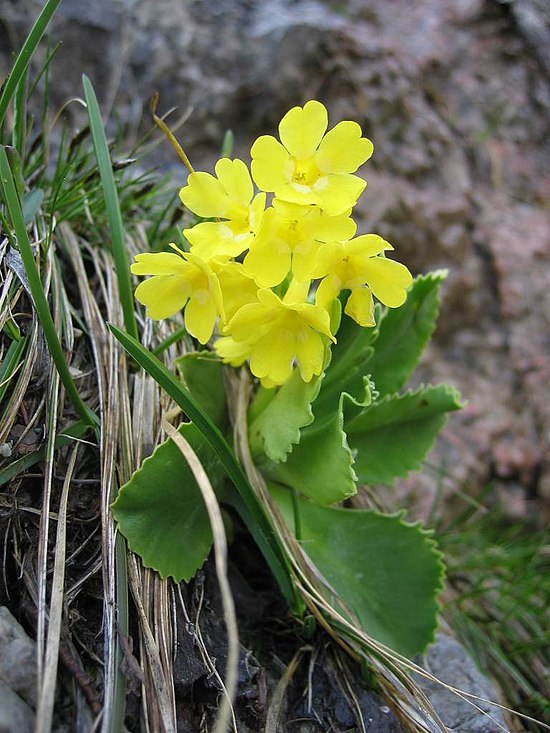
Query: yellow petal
217, 239
296, 193
360, 307
338, 192
256, 212
163, 295
388, 280
205, 237
205, 196
328, 289
343, 150
269, 299
327, 259
200, 315
272, 358
367, 245
310, 355
236, 286
235, 178
249, 322
207, 281
287, 210
297, 292
302, 129
268, 262
232, 352
271, 164
303, 260
158, 263
316, 316
332, 228
199, 262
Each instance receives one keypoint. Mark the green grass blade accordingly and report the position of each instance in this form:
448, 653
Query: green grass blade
10, 363
258, 523
40, 303
19, 132
120, 254
25, 55
50, 55
172, 339
11, 329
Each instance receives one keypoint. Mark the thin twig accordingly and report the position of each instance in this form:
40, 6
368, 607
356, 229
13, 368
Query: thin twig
160, 123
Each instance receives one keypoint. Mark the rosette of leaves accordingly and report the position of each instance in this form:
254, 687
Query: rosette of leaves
315, 443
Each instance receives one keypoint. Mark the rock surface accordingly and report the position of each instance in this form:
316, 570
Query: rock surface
15, 714
17, 676
17, 657
449, 662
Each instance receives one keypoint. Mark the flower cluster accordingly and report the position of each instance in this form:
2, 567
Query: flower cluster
264, 278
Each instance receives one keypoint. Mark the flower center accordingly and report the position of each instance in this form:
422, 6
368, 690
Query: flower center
305, 172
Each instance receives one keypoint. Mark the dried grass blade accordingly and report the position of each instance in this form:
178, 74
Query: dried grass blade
220, 548
107, 359
151, 649
25, 373
44, 532
114, 548
274, 711
46, 698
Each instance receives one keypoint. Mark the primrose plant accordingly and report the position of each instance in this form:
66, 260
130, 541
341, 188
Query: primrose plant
277, 284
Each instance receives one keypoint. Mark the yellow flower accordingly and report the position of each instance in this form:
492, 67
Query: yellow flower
289, 238
275, 335
230, 198
356, 265
310, 167
179, 281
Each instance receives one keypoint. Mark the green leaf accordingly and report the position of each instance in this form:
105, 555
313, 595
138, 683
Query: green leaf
202, 374
386, 571
348, 366
391, 437
403, 334
275, 427
161, 512
321, 465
